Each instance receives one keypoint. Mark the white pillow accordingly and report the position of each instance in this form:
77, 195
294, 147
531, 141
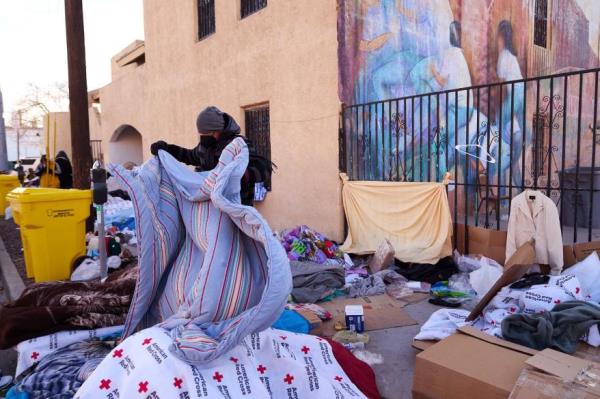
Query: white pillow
588, 273
541, 298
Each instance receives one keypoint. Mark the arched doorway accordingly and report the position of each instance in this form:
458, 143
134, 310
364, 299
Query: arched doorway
125, 145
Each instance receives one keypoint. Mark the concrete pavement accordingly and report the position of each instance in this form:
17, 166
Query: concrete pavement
9, 276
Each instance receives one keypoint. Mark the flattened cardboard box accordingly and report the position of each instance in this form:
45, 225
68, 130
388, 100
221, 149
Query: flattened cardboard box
381, 311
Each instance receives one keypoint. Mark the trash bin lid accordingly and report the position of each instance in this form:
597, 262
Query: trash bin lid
34, 194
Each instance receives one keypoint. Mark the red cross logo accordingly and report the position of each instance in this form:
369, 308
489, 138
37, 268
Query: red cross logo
319, 338
118, 353
143, 386
218, 377
557, 301
35, 355
177, 382
261, 369
305, 349
233, 359
283, 337
288, 379
577, 290
338, 378
105, 384
147, 341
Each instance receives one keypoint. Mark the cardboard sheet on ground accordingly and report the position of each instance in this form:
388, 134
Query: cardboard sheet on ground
381, 311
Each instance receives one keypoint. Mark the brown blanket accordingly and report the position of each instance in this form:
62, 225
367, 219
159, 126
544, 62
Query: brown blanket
46, 308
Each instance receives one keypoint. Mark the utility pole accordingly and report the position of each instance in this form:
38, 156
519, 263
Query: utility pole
3, 154
78, 96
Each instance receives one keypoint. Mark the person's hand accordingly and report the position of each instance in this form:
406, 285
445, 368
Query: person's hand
159, 145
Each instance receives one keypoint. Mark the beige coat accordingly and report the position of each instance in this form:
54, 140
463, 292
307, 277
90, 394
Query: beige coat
538, 219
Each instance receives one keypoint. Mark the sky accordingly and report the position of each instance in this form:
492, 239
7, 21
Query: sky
33, 43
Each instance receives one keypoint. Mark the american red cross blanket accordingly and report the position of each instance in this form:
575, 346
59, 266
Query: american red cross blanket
269, 364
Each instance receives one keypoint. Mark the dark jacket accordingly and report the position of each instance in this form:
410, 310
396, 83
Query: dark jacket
205, 156
65, 177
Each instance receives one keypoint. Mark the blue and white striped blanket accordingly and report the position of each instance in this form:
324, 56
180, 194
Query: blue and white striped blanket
211, 271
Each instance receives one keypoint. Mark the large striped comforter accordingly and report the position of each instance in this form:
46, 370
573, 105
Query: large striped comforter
211, 271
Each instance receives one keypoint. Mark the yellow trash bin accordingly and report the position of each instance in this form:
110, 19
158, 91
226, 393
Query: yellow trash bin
52, 223
7, 183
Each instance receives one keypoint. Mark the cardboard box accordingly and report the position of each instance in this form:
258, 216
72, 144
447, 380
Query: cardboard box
469, 364
472, 364
584, 249
488, 242
492, 244
553, 374
355, 319
568, 256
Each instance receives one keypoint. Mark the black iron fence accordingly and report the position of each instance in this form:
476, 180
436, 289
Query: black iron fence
496, 140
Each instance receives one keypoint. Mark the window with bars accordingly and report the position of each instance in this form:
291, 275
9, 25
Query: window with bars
258, 131
540, 24
252, 6
206, 18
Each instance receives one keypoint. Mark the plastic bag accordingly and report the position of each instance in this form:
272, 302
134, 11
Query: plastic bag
89, 269
368, 357
457, 286
460, 283
398, 291
383, 257
467, 263
486, 276
350, 337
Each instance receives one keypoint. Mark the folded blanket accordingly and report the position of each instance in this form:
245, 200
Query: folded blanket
60, 374
46, 308
314, 281
269, 364
35, 349
211, 270
560, 329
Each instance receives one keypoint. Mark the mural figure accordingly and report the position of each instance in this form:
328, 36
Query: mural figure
398, 38
508, 69
453, 73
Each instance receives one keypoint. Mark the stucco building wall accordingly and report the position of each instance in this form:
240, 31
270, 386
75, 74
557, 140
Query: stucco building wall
285, 54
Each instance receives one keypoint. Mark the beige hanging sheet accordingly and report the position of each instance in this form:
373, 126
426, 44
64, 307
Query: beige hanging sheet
414, 217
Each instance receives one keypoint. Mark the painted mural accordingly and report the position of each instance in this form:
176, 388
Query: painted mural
518, 134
